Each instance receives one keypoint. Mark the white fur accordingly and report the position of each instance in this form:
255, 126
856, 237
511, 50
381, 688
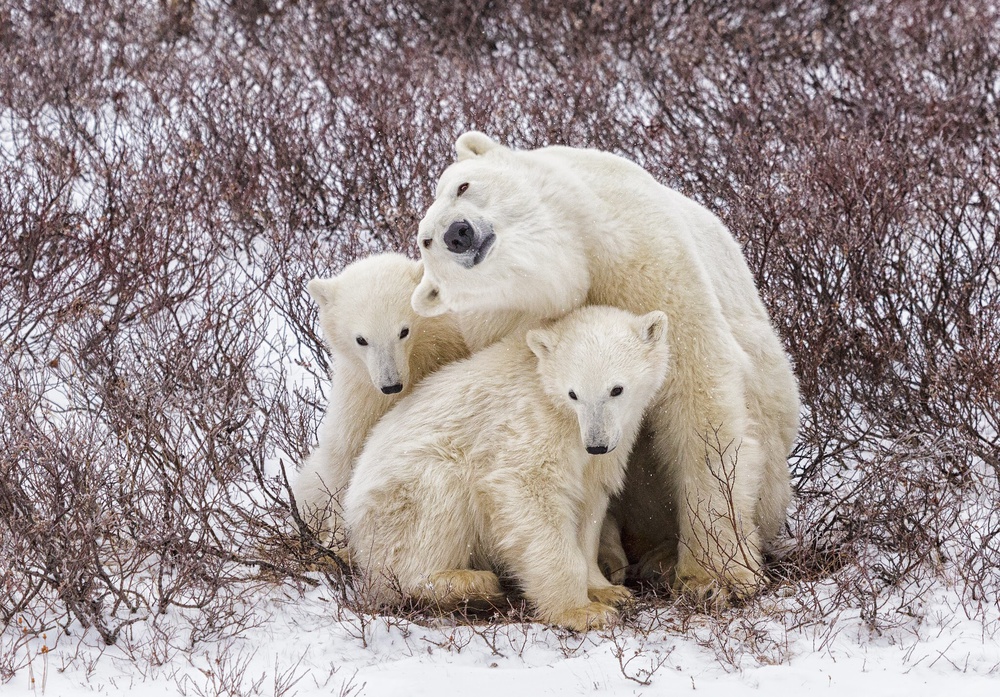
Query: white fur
575, 226
486, 464
369, 299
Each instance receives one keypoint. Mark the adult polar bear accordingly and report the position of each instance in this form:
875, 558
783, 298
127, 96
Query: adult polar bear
514, 237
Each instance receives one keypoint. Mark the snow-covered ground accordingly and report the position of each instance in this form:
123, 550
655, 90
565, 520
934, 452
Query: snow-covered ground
308, 645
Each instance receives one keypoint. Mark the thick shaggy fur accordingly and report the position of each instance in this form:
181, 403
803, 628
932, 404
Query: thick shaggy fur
552, 229
488, 465
370, 300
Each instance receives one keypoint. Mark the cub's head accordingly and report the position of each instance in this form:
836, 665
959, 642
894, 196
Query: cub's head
498, 238
606, 365
367, 318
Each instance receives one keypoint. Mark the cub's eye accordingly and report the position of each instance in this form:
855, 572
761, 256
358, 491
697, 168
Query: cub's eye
462, 188
427, 243
617, 390
572, 395
361, 341
405, 333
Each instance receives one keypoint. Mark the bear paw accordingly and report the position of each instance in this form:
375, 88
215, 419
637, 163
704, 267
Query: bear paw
344, 554
614, 564
456, 587
615, 596
736, 582
581, 619
657, 566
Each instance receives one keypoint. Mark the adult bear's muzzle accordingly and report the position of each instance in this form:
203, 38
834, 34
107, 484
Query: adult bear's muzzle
459, 237
469, 243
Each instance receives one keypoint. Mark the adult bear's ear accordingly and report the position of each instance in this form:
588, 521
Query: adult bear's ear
417, 271
323, 291
426, 299
652, 327
541, 342
474, 144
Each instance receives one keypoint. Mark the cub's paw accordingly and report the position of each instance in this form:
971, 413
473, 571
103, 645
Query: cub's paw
657, 566
615, 596
581, 619
456, 587
611, 557
614, 564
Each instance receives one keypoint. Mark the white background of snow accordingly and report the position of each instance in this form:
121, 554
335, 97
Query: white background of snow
301, 641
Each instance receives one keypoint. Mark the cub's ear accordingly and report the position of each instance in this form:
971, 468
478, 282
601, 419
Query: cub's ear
323, 291
474, 144
652, 327
541, 342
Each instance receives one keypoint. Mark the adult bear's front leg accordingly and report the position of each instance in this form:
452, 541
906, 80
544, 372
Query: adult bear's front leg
715, 465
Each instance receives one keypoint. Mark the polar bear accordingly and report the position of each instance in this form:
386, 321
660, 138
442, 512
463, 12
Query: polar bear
513, 237
381, 348
506, 460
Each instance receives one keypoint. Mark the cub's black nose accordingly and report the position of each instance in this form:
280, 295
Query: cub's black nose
458, 237
597, 449
392, 389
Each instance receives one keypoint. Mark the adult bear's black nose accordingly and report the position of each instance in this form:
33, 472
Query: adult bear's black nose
597, 449
458, 237
392, 389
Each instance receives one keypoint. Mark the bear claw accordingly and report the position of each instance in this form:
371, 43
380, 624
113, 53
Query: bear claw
582, 619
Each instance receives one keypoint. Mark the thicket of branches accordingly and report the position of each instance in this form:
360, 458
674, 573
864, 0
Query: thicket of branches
171, 174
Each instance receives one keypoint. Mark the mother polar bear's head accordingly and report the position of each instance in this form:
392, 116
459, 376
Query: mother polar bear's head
501, 236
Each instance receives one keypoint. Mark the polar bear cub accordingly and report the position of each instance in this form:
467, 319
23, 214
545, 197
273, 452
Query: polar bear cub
507, 460
381, 348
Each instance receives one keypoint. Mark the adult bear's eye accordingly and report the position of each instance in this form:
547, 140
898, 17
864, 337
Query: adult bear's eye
361, 341
572, 395
427, 243
405, 333
462, 188
617, 390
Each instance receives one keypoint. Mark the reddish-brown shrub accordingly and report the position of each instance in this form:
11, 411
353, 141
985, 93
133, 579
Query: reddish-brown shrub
171, 175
